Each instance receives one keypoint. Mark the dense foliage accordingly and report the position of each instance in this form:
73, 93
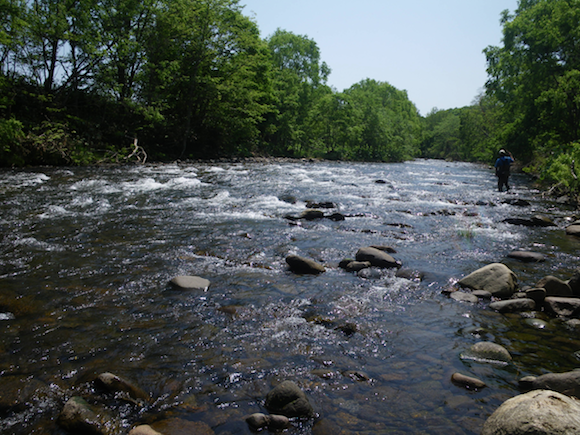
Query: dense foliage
84, 81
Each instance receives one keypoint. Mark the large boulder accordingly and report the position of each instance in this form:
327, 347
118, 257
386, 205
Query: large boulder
538, 412
495, 278
289, 400
567, 383
562, 307
376, 257
303, 265
554, 286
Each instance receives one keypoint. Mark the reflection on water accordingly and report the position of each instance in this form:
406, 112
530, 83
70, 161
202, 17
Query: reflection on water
87, 254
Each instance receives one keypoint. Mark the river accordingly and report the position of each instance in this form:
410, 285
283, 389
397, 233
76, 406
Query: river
87, 255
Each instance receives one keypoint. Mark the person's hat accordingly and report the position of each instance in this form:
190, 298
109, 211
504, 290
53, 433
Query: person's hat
502, 152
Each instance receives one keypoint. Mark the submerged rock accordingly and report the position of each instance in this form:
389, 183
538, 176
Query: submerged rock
289, 400
539, 412
464, 297
303, 265
495, 278
486, 351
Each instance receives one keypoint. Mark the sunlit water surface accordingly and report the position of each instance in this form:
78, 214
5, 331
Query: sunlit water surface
87, 254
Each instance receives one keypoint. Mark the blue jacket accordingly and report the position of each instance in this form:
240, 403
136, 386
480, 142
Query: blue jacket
502, 165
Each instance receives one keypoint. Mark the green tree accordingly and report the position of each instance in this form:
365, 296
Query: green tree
299, 80
534, 76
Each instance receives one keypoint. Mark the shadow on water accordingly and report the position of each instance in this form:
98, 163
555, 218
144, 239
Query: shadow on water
87, 254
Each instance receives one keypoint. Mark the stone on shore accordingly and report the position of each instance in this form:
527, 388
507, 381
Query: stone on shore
495, 278
304, 266
513, 305
289, 400
190, 283
527, 256
78, 417
377, 257
567, 383
554, 286
539, 412
468, 382
562, 307
121, 387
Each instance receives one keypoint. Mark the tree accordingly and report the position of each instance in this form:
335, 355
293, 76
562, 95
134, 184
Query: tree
534, 76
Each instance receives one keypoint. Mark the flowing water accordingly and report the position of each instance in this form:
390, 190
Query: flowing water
87, 255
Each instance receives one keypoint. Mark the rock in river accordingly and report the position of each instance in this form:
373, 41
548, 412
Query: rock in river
376, 257
289, 400
562, 307
486, 351
566, 383
513, 305
495, 278
78, 417
190, 283
122, 387
539, 412
303, 265
527, 256
554, 286
468, 382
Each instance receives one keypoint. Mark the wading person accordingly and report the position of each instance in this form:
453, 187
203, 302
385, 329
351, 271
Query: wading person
502, 169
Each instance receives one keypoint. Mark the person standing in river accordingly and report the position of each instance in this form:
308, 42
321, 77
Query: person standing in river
502, 169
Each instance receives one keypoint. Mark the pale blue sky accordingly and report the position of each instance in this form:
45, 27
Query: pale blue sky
432, 49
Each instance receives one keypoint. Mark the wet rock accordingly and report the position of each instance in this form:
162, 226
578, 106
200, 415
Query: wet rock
16, 391
464, 297
539, 412
554, 286
513, 305
574, 229
180, 426
518, 202
336, 217
377, 257
482, 294
324, 204
486, 351
311, 214
345, 262
303, 265
78, 417
355, 266
369, 273
257, 420
384, 248
468, 382
410, 274
535, 221
347, 328
289, 400
562, 307
495, 278
574, 283
566, 383
357, 376
122, 388
144, 429
190, 283
536, 294
536, 323
527, 256
278, 422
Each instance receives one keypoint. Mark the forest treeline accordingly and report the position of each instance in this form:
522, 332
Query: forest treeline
89, 81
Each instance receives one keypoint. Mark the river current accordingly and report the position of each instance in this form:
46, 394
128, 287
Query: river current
86, 257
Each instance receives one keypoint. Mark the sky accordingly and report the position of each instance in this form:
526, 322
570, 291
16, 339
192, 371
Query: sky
431, 49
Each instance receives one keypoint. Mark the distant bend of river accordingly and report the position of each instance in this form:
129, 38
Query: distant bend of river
87, 254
